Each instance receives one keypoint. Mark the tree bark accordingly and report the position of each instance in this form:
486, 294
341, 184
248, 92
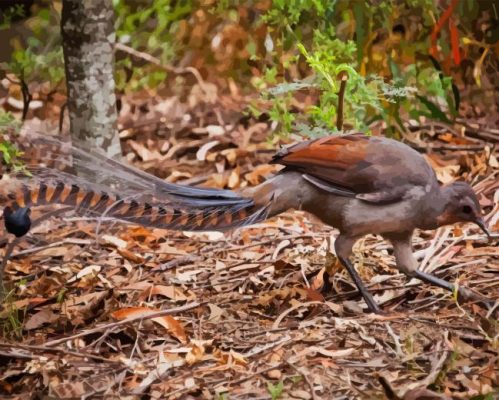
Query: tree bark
88, 38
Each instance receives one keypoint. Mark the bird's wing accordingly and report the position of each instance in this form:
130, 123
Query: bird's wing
372, 169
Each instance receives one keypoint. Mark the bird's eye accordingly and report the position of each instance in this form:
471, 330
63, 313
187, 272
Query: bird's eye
466, 209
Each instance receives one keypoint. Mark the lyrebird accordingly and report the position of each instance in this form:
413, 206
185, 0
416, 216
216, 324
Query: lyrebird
356, 183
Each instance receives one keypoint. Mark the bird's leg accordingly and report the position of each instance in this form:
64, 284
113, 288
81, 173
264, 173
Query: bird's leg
371, 304
343, 247
424, 276
463, 293
407, 264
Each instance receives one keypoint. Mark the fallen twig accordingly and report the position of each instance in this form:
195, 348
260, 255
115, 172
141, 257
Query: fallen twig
170, 311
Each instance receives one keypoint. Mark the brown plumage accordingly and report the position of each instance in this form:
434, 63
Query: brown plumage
356, 183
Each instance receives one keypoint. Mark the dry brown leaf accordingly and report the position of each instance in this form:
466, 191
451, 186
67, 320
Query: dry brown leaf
317, 282
238, 358
58, 251
45, 316
130, 256
312, 350
274, 374
174, 327
68, 390
145, 153
89, 270
197, 351
234, 178
144, 233
230, 155
480, 251
424, 394
215, 313
214, 130
314, 295
167, 248
258, 174
281, 246
20, 304
114, 241
171, 292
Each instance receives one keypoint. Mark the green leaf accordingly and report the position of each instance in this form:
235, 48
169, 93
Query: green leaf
287, 87
435, 111
275, 391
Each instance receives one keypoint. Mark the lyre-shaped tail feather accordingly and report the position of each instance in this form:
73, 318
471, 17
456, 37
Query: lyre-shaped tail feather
83, 178
46, 154
18, 196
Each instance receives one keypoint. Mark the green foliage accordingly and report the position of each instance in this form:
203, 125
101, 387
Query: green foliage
332, 38
276, 390
292, 12
61, 295
8, 151
9, 14
488, 396
150, 29
295, 379
12, 319
39, 58
8, 123
222, 396
331, 57
285, 48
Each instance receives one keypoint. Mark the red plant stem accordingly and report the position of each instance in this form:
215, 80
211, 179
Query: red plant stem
454, 41
440, 24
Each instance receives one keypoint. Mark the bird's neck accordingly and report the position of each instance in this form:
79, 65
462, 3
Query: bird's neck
436, 202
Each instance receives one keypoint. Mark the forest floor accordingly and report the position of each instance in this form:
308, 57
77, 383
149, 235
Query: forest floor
133, 312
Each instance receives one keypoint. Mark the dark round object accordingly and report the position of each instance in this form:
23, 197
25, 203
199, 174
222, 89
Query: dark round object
17, 222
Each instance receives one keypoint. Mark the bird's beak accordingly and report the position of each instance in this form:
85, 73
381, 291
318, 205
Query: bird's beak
483, 226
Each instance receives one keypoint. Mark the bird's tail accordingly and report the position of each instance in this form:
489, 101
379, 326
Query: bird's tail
75, 175
190, 209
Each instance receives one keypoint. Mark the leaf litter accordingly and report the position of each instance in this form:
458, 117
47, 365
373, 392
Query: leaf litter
134, 311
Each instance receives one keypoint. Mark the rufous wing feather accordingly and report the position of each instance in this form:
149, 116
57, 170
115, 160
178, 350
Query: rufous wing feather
330, 158
369, 168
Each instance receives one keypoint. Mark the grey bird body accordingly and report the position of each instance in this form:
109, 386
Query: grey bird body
366, 186
353, 217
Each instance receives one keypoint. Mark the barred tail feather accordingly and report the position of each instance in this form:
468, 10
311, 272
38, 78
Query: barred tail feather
18, 196
209, 214
219, 218
83, 178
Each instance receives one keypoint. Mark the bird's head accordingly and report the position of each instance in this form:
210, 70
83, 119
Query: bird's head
461, 205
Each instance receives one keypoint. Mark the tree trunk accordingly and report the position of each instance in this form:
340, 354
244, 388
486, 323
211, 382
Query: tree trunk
88, 38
